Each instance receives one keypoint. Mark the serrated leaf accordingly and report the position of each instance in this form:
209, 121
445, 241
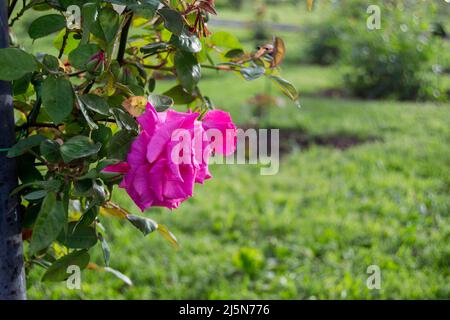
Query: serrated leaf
179, 95
119, 145
78, 147
252, 72
160, 102
46, 25
105, 249
95, 103
81, 55
57, 98
286, 87
186, 42
78, 236
154, 47
24, 145
145, 225
124, 120
173, 21
15, 63
225, 40
35, 195
50, 150
188, 69
58, 270
49, 223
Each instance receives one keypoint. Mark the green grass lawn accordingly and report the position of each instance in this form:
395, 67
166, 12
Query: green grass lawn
310, 231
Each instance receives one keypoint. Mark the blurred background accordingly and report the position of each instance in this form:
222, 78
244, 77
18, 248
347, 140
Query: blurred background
364, 175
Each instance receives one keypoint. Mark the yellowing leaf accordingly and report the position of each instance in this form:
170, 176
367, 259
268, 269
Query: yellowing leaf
310, 4
162, 229
139, 21
115, 212
135, 105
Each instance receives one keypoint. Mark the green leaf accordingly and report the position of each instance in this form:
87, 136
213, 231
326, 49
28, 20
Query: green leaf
58, 270
21, 85
107, 25
50, 150
49, 223
15, 63
31, 213
45, 25
35, 195
252, 73
145, 225
188, 70
50, 62
160, 102
57, 98
91, 123
151, 84
95, 103
89, 216
124, 120
105, 248
226, 40
119, 275
72, 41
286, 87
81, 55
234, 53
49, 185
78, 236
102, 135
186, 42
24, 145
179, 95
89, 13
119, 145
173, 21
78, 147
154, 47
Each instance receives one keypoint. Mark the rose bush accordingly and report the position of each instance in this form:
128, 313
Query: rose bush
93, 105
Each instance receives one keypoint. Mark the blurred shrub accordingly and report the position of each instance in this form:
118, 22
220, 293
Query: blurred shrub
249, 260
397, 65
325, 45
398, 61
236, 4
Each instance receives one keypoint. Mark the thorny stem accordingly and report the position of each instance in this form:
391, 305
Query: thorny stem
124, 38
63, 46
21, 12
11, 7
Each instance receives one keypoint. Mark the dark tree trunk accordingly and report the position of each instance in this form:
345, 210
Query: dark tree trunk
12, 276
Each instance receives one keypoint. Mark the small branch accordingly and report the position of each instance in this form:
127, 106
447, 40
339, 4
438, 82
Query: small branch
11, 8
221, 68
21, 12
89, 87
124, 38
77, 73
37, 125
64, 43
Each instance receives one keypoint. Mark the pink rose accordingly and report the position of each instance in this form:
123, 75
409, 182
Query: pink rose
171, 154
